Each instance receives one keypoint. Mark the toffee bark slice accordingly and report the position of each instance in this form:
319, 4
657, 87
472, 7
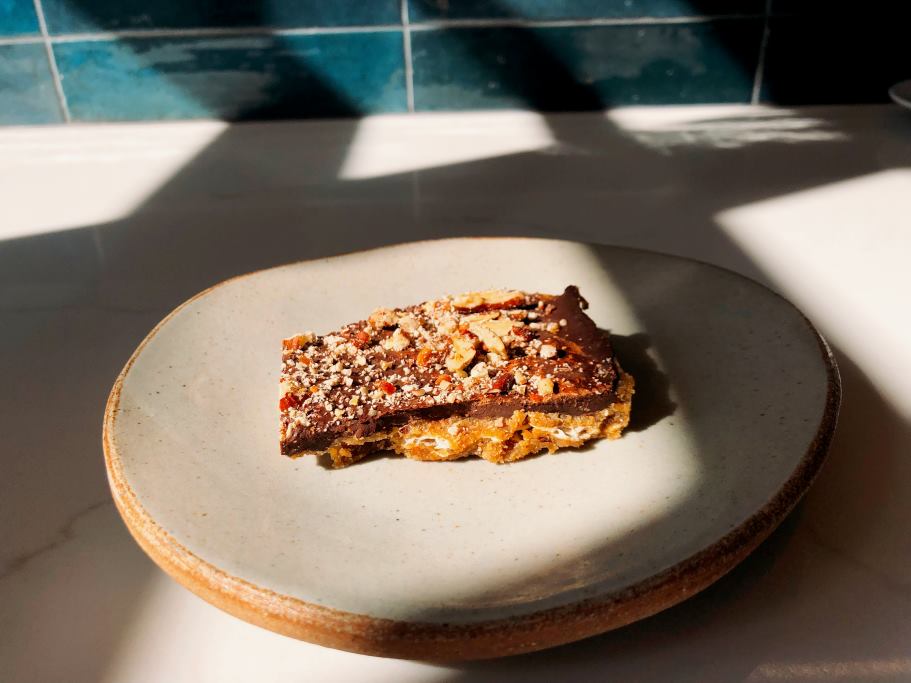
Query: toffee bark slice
499, 374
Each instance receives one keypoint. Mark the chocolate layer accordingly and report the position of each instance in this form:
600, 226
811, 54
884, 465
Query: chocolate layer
531, 352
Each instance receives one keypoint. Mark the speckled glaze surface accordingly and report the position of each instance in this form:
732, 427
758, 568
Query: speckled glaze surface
737, 402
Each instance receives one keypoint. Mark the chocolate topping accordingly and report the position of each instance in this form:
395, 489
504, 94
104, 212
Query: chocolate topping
483, 354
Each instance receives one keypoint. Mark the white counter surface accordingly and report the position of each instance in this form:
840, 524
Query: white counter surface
104, 229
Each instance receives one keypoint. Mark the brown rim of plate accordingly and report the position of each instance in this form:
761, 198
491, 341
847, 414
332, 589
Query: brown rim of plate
454, 642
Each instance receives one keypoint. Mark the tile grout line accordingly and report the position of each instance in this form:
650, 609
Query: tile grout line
760, 60
21, 40
406, 53
569, 23
405, 27
216, 32
52, 62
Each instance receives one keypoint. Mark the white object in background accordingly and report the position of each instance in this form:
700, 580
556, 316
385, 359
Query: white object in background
901, 93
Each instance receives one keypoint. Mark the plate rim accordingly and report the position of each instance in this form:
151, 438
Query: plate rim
379, 636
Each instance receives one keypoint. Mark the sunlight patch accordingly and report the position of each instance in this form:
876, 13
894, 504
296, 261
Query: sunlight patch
59, 178
839, 252
395, 144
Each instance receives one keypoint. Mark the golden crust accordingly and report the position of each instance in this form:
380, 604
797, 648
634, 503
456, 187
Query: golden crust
498, 440
496, 351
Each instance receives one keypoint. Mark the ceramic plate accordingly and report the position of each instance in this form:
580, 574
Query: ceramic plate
736, 401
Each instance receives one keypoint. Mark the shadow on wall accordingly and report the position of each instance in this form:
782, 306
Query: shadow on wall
254, 77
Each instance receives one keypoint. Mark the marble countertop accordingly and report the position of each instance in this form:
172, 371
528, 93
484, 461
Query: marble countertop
105, 228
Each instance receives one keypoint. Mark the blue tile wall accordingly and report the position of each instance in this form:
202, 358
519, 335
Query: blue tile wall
26, 88
76, 16
17, 18
264, 59
585, 67
577, 9
234, 78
